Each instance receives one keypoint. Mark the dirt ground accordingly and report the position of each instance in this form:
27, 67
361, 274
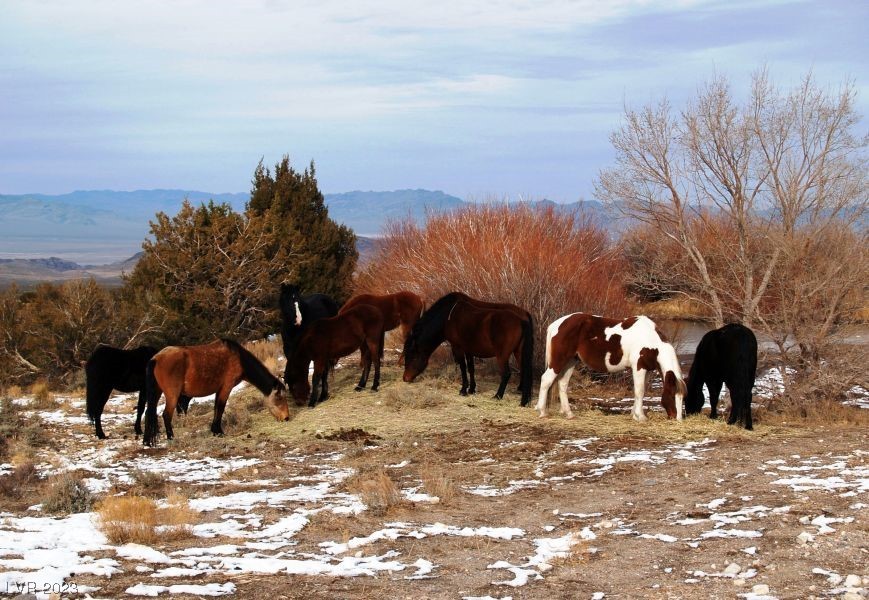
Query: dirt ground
661, 509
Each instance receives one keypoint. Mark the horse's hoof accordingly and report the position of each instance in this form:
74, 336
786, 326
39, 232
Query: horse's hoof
374, 388
498, 397
358, 388
463, 392
570, 416
543, 416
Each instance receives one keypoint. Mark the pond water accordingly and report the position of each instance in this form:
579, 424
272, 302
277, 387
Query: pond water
685, 335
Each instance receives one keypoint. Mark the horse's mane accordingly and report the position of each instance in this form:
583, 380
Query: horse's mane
429, 329
255, 372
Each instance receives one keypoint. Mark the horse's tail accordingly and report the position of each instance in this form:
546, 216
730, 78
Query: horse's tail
527, 368
152, 396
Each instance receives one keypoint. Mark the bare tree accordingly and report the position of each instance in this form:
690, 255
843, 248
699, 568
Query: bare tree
779, 177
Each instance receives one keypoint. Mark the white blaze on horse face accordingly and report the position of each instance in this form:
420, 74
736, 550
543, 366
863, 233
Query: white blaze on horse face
298, 314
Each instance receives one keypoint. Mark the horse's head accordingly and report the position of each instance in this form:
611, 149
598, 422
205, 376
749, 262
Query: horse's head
673, 393
415, 360
291, 298
277, 404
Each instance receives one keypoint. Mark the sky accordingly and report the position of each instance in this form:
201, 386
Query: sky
479, 98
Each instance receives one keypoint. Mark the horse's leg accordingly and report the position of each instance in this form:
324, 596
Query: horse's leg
376, 357
518, 356
714, 388
472, 379
324, 367
405, 331
459, 357
562, 392
168, 411
365, 353
97, 397
183, 403
639, 391
219, 405
140, 409
315, 381
546, 380
504, 366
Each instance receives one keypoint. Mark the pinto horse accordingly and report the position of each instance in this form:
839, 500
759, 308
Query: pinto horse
213, 368
297, 314
610, 345
110, 368
724, 356
327, 340
401, 308
472, 330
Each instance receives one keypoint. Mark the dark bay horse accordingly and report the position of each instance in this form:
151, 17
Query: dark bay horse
213, 368
398, 309
724, 356
327, 340
297, 314
472, 330
110, 368
611, 345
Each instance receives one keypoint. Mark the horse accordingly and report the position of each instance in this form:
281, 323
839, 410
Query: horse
472, 330
398, 309
724, 356
327, 340
611, 345
297, 313
109, 368
213, 368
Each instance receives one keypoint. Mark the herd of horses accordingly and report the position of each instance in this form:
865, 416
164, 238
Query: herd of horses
316, 330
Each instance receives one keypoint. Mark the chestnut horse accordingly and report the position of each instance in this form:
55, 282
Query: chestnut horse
724, 356
400, 308
213, 368
472, 330
297, 314
327, 340
611, 345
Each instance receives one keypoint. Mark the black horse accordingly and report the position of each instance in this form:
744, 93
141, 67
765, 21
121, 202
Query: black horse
110, 368
724, 356
297, 314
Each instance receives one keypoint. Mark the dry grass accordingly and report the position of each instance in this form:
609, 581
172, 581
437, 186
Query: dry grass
67, 494
678, 307
267, 352
125, 519
176, 519
148, 483
818, 411
43, 399
436, 481
22, 479
377, 490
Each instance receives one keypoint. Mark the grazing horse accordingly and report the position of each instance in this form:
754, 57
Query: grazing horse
724, 356
213, 368
472, 331
400, 308
110, 368
327, 340
297, 314
610, 345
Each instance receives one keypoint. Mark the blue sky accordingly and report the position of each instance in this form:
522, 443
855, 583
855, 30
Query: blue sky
481, 99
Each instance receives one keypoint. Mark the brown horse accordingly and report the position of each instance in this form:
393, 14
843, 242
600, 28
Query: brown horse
472, 331
327, 340
213, 368
398, 309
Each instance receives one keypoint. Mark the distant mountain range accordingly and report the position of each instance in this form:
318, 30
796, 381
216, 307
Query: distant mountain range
106, 227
